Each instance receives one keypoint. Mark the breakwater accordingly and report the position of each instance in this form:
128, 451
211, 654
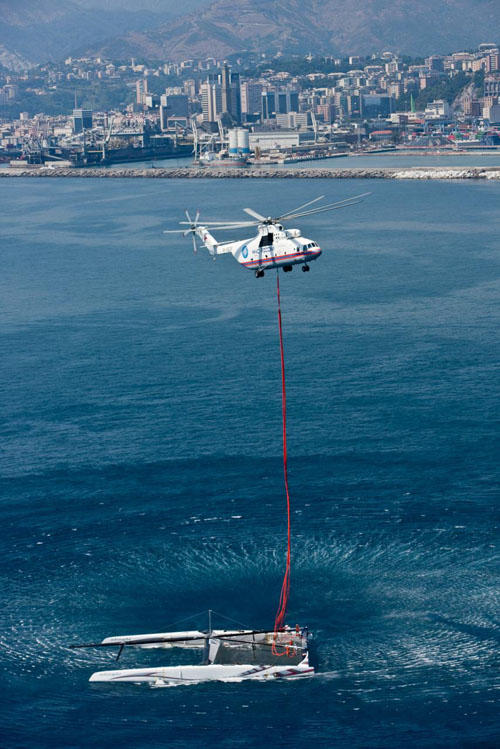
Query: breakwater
421, 173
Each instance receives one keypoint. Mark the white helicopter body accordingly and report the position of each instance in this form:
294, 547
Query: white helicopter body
273, 246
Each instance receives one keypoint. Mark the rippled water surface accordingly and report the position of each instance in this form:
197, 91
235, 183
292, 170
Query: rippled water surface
141, 473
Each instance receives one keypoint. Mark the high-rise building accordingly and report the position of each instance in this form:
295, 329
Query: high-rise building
82, 120
177, 104
492, 85
268, 105
211, 99
279, 102
434, 62
293, 120
487, 46
326, 112
251, 98
493, 62
141, 89
375, 105
491, 113
472, 107
221, 95
190, 87
11, 90
226, 89
293, 101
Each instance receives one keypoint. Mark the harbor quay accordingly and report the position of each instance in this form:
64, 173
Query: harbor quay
421, 173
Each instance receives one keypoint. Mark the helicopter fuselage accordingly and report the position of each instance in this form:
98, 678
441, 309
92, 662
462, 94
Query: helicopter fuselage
273, 247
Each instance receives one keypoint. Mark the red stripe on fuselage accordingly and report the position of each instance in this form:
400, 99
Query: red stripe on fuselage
296, 255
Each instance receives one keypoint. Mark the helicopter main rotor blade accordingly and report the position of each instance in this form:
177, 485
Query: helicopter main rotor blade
227, 227
244, 224
330, 207
325, 210
188, 216
337, 202
223, 223
185, 232
296, 210
254, 214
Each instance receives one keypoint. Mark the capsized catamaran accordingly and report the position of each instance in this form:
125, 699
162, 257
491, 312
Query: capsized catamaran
228, 655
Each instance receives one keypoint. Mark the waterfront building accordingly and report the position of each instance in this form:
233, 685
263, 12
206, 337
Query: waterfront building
326, 112
293, 120
276, 139
439, 109
176, 104
82, 120
491, 113
376, 105
164, 114
472, 107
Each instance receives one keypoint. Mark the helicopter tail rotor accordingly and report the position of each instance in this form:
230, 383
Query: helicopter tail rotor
192, 229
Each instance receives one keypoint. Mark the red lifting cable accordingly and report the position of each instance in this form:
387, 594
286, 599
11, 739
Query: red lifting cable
285, 588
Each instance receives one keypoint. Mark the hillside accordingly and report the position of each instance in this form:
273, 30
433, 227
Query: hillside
318, 26
40, 30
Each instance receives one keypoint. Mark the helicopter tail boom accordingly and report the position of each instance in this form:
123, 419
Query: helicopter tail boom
210, 242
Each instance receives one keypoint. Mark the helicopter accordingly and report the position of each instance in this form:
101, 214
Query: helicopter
273, 246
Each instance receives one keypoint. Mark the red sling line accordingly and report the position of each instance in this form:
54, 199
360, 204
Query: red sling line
285, 588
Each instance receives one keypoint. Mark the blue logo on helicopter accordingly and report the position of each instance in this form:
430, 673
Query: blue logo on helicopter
244, 251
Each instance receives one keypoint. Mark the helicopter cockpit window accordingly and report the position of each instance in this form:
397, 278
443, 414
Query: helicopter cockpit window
266, 240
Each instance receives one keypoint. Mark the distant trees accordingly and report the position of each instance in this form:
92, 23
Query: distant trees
97, 95
444, 88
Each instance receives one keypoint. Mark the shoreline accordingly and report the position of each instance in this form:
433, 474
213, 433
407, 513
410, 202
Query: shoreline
422, 173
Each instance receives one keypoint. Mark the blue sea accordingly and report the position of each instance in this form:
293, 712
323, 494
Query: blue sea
141, 467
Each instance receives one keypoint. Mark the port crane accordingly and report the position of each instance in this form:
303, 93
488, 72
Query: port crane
274, 246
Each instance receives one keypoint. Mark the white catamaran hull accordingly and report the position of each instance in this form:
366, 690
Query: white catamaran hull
194, 674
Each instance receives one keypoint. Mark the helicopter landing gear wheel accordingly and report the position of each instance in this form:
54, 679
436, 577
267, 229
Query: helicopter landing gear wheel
259, 274
287, 268
305, 269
